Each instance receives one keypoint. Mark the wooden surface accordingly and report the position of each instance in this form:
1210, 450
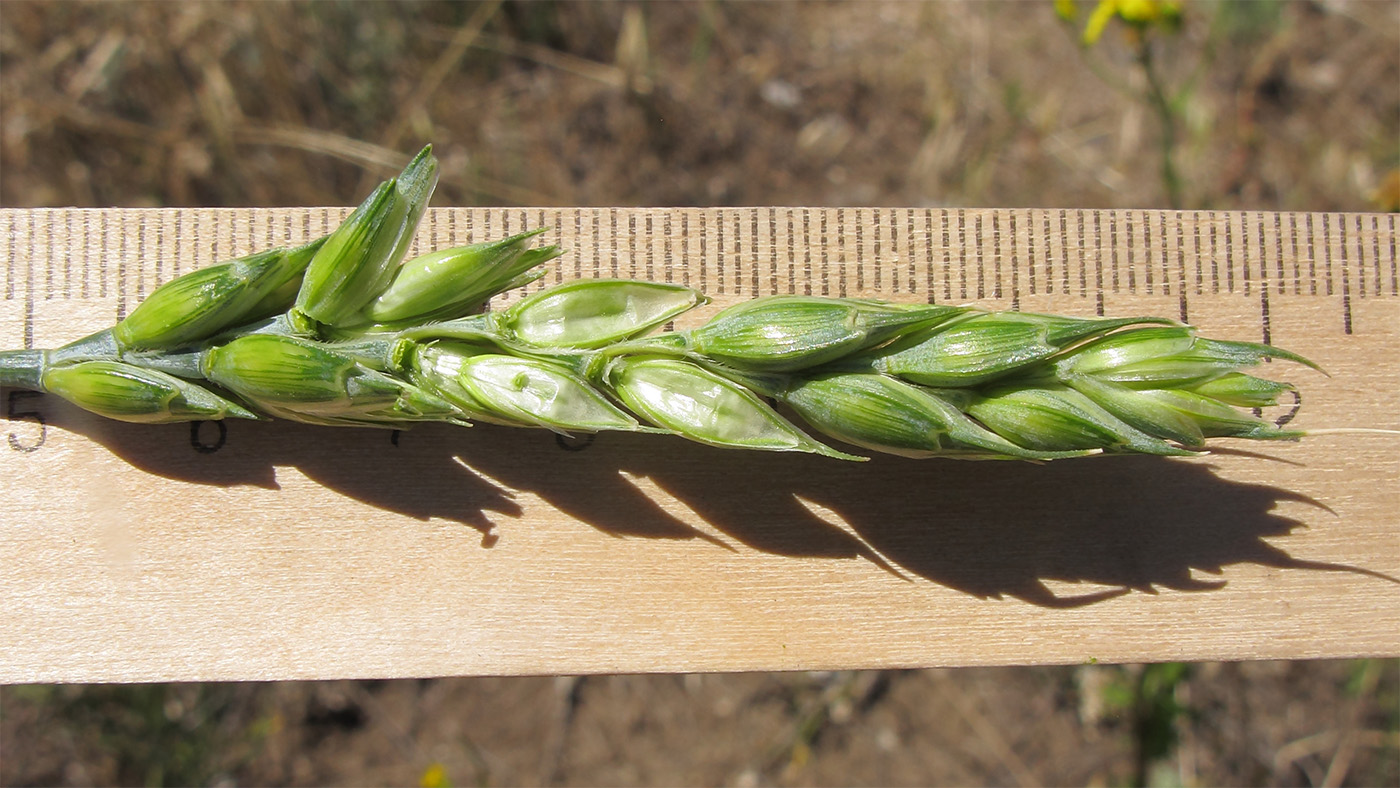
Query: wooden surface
276, 551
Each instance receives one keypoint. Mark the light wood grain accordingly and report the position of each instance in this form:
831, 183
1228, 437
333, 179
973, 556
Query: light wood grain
297, 552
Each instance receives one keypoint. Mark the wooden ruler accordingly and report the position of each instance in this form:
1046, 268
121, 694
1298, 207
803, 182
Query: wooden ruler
277, 551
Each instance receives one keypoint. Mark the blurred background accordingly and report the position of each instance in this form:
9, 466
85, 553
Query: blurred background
1128, 103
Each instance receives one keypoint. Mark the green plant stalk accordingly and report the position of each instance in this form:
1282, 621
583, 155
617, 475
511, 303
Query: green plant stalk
1161, 105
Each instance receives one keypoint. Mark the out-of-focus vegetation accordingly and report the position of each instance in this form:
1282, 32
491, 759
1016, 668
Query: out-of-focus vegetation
1259, 105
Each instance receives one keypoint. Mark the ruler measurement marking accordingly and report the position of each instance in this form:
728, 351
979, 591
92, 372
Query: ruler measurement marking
613, 263
578, 234
879, 264
703, 278
29, 286
1244, 250
1265, 326
1297, 258
823, 260
1082, 247
651, 250
48, 260
772, 250
1376, 249
685, 248
1345, 268
719, 252
1327, 250
85, 291
1394, 263
1015, 268
1065, 252
102, 271
597, 248
807, 251
269, 233
979, 240
1229, 255
667, 247
791, 255
1360, 259
121, 274
631, 243
1278, 251
1098, 264
996, 254
11, 233
1166, 256
68, 256
142, 253
1213, 239
1180, 260
1113, 250
945, 225
1132, 264
1146, 252
962, 256
909, 247
754, 288
861, 260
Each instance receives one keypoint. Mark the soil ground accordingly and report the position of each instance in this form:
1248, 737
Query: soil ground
1274, 106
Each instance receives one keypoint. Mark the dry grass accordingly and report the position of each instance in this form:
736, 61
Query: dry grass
1291, 106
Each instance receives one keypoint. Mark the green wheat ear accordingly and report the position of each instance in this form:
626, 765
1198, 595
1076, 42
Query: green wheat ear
341, 332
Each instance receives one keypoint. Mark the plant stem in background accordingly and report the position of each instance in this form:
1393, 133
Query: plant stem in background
1164, 108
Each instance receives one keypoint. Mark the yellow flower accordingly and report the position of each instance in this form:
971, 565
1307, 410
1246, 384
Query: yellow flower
1137, 13
435, 776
